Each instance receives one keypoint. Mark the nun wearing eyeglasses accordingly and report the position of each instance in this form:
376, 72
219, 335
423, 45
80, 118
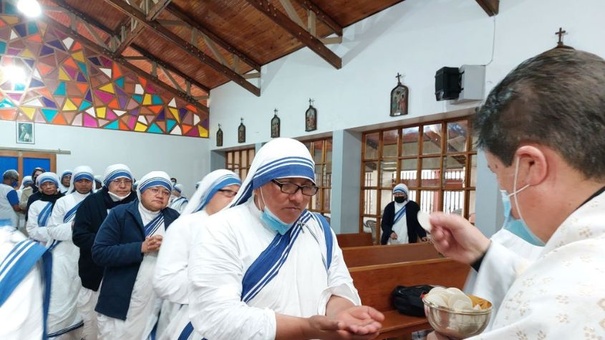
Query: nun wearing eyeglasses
216, 191
116, 190
266, 268
127, 247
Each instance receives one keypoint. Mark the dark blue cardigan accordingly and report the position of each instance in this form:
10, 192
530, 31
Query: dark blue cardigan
117, 247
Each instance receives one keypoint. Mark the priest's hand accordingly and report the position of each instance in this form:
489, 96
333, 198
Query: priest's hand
393, 235
457, 238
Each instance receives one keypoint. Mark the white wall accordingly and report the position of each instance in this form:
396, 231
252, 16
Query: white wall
185, 158
416, 38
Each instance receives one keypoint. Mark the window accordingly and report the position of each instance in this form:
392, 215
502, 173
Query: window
239, 161
321, 151
436, 160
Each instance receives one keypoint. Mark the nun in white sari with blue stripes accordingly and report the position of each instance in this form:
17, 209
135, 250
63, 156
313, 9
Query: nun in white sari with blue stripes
64, 321
266, 268
216, 191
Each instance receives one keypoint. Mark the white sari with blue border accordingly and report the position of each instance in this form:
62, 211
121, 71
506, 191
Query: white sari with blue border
233, 296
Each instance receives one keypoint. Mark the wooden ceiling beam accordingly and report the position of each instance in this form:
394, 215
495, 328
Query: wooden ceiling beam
128, 33
296, 31
146, 55
321, 15
491, 7
122, 61
186, 46
177, 12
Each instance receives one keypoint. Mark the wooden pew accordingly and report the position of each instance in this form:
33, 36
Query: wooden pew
376, 282
368, 255
354, 240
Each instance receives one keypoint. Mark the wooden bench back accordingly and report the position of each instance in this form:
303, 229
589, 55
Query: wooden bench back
369, 255
376, 282
354, 240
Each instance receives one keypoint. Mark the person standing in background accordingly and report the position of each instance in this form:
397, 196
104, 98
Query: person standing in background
29, 191
65, 181
178, 201
9, 198
41, 209
399, 222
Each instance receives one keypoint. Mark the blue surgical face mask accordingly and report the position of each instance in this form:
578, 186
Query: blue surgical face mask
517, 226
14, 184
271, 220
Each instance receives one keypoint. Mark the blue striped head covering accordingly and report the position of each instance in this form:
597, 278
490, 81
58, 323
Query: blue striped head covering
116, 171
208, 187
82, 172
27, 180
47, 177
401, 189
279, 158
178, 187
65, 173
154, 179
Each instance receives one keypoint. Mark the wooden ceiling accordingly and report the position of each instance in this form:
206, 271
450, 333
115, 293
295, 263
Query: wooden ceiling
189, 47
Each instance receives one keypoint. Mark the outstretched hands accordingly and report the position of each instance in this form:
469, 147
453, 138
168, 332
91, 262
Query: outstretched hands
357, 322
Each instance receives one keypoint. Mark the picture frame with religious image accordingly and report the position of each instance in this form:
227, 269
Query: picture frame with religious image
311, 117
219, 136
25, 133
275, 125
399, 98
241, 132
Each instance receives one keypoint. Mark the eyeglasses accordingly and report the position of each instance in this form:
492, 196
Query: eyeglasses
156, 190
227, 192
122, 181
291, 188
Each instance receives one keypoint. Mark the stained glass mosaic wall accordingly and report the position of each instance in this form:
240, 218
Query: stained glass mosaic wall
67, 84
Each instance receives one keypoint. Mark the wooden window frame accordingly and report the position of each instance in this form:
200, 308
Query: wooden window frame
418, 192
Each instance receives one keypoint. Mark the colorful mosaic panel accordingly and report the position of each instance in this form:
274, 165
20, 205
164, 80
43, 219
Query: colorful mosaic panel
67, 84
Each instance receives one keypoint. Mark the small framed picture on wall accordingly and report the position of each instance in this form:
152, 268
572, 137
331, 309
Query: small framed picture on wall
25, 133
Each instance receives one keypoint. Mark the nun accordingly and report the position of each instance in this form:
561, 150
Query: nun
400, 219
64, 321
116, 190
216, 191
40, 210
127, 247
266, 268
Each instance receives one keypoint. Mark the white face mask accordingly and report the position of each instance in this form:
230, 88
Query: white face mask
534, 239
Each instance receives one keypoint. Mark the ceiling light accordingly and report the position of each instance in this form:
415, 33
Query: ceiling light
31, 8
15, 74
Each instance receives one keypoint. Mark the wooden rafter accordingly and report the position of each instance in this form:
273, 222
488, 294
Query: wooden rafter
192, 50
297, 31
129, 32
86, 21
490, 7
177, 12
121, 60
321, 15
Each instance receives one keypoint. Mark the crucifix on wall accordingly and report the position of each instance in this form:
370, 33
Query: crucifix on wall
560, 43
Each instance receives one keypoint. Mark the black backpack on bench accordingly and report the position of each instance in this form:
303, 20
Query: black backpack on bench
408, 299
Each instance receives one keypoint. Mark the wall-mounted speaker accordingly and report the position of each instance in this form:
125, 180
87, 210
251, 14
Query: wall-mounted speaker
447, 83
